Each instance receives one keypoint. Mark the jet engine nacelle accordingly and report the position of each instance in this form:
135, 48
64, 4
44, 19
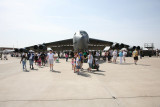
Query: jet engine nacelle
42, 47
23, 50
135, 47
115, 46
16, 50
35, 47
121, 46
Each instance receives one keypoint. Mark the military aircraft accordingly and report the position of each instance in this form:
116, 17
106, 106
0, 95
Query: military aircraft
79, 42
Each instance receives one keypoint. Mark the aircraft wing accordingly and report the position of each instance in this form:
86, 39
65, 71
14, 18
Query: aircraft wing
94, 44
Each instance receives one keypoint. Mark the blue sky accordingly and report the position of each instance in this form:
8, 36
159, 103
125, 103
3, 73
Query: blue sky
28, 22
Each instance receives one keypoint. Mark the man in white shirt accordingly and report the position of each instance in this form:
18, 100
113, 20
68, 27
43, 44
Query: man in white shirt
97, 55
124, 55
50, 56
114, 56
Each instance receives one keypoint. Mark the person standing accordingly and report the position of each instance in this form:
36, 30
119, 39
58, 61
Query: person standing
31, 59
36, 58
157, 53
75, 57
1, 56
66, 57
97, 55
85, 54
81, 58
105, 56
51, 59
39, 61
109, 57
90, 61
124, 55
135, 56
115, 56
72, 62
24, 60
120, 56
78, 63
43, 57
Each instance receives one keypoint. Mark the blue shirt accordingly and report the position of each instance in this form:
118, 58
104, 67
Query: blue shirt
80, 56
120, 54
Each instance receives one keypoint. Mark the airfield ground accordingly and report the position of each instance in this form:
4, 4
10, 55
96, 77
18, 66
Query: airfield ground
115, 85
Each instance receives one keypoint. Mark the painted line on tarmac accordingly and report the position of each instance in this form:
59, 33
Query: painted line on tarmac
60, 99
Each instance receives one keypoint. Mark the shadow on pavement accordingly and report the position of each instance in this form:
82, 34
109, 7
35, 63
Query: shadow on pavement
26, 71
143, 65
101, 61
34, 69
84, 74
56, 71
127, 63
98, 72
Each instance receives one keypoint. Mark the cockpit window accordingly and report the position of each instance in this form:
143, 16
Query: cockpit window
83, 33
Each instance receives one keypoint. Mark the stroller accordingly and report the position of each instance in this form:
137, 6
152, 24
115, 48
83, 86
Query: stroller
95, 64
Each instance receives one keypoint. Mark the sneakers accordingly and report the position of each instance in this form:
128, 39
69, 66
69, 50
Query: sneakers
51, 70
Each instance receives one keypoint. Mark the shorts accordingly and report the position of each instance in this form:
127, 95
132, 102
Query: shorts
30, 62
78, 67
136, 58
114, 57
109, 58
51, 61
90, 65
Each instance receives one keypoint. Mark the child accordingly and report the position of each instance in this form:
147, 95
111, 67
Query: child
23, 60
77, 64
95, 64
72, 63
57, 60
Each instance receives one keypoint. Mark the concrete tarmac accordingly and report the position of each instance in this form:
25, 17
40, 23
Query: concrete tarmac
115, 85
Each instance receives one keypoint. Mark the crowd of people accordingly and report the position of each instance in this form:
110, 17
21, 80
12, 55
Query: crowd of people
109, 55
39, 59
79, 59
90, 57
